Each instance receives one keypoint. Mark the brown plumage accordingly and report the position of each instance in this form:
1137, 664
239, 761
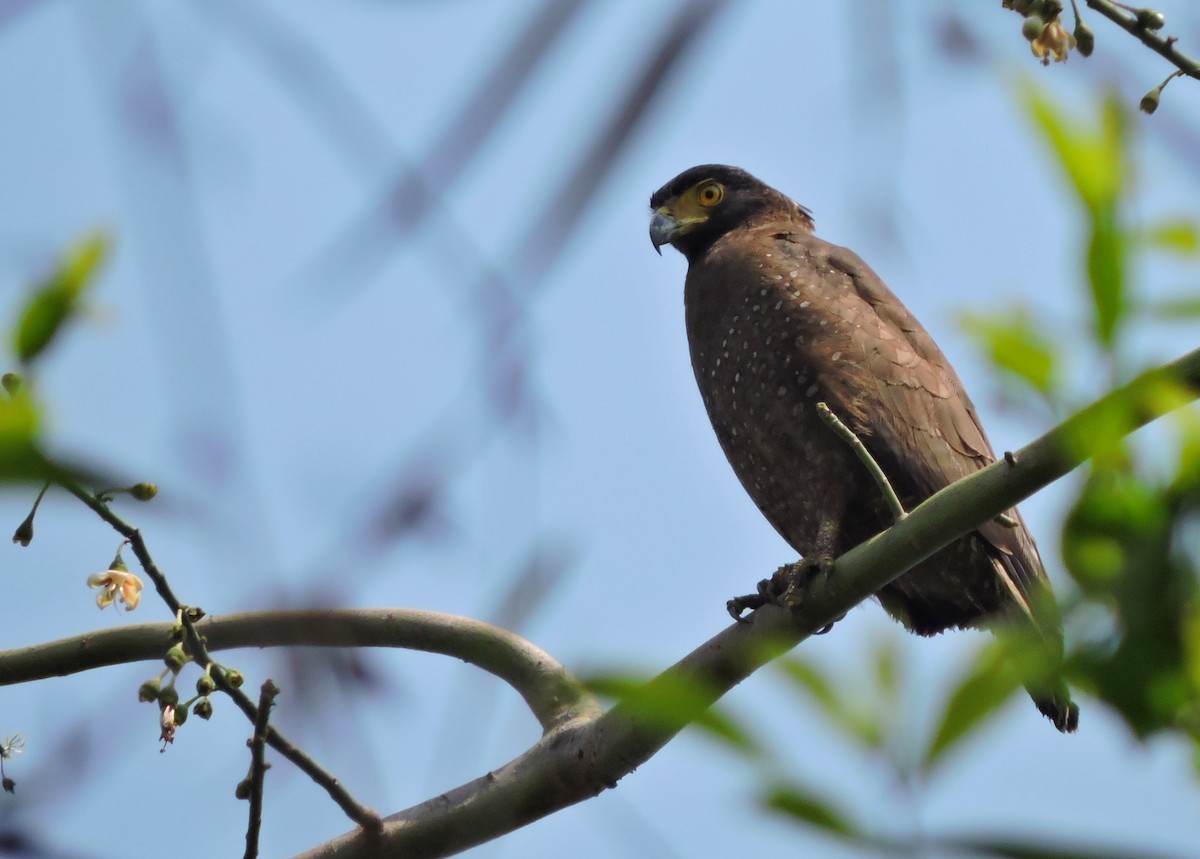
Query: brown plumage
779, 320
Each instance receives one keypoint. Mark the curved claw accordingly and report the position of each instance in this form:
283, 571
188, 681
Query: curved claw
750, 602
738, 605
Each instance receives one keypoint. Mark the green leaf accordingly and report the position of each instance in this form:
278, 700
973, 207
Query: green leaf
807, 806
980, 693
887, 672
1106, 273
1093, 159
851, 721
675, 703
21, 461
1178, 236
1006, 847
811, 679
1183, 308
1015, 345
55, 299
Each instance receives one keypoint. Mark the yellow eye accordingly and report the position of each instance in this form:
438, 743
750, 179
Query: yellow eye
710, 193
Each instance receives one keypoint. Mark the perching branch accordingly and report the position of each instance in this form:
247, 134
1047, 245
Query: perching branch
583, 757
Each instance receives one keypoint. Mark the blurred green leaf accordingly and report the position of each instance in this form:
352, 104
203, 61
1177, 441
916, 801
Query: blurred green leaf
807, 806
887, 671
1120, 543
1015, 345
18, 417
1103, 436
1180, 236
55, 299
1094, 159
1106, 273
1182, 309
671, 704
988, 684
1112, 510
810, 679
1187, 463
1006, 847
21, 461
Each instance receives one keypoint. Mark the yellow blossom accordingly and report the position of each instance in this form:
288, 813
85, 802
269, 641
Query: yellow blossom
116, 584
1054, 42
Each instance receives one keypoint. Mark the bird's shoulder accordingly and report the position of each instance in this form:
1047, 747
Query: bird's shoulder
919, 404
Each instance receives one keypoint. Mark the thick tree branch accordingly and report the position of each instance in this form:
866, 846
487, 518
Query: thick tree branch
551, 692
583, 757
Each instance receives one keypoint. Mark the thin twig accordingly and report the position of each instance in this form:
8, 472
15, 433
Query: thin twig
1150, 38
258, 765
848, 436
356, 811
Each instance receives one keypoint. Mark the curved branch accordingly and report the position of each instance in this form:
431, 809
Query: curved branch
552, 693
583, 757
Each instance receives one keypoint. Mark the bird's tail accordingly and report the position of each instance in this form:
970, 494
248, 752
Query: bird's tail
1057, 706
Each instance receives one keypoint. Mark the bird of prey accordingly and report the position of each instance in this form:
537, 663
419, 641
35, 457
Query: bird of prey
779, 321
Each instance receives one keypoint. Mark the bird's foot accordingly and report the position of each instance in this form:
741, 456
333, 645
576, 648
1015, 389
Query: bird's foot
738, 605
791, 580
784, 589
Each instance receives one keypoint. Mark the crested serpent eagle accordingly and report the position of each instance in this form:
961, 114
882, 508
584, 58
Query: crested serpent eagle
778, 321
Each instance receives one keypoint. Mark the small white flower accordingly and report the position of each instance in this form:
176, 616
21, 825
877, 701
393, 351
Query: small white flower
114, 585
12, 746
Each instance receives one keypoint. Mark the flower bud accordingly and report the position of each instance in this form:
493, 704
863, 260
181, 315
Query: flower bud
1032, 28
205, 685
24, 532
143, 491
150, 691
176, 658
1085, 39
1150, 19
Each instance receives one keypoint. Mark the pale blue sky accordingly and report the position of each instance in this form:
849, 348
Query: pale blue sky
275, 387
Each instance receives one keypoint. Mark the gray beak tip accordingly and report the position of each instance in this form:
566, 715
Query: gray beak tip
663, 229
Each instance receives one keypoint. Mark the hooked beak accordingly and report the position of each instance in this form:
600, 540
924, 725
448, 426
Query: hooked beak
663, 229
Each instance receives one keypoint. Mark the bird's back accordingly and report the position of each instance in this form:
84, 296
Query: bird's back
815, 324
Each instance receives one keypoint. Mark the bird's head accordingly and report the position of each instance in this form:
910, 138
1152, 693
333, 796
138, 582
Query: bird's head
700, 205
